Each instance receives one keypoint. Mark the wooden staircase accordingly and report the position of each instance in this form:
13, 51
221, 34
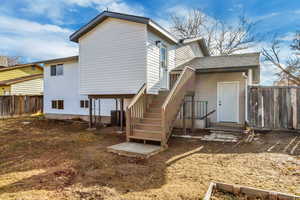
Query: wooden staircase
151, 117
150, 127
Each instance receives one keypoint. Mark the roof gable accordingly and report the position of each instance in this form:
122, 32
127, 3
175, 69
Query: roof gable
106, 14
19, 66
20, 79
14, 72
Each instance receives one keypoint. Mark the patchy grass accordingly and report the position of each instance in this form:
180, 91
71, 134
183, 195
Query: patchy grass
48, 159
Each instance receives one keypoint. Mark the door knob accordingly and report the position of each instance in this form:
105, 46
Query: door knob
220, 103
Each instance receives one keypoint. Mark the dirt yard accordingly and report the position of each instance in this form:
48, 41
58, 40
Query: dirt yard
43, 159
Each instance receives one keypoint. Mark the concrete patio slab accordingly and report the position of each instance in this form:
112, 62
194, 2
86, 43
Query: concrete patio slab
132, 149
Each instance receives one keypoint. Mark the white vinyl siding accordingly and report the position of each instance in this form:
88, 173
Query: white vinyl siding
153, 70
113, 58
186, 52
66, 88
30, 87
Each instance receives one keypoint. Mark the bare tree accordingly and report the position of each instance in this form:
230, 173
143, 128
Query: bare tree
296, 42
221, 38
231, 39
14, 60
189, 26
289, 67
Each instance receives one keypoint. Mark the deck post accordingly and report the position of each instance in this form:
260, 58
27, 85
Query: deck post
193, 113
121, 113
128, 124
90, 112
117, 115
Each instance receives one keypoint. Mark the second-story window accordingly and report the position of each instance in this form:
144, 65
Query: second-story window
57, 70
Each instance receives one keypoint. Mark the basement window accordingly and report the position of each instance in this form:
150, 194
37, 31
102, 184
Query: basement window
57, 70
84, 103
57, 104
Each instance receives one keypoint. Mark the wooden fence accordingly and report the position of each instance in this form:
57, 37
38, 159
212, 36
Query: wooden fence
274, 107
14, 106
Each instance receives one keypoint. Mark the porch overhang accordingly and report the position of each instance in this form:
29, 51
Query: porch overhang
219, 70
225, 69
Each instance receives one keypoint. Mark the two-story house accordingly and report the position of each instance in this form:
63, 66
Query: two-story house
134, 59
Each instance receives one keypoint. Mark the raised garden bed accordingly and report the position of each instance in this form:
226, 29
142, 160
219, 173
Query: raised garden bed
222, 191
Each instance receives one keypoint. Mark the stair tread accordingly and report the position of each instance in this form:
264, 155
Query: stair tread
144, 138
147, 124
152, 118
153, 112
147, 131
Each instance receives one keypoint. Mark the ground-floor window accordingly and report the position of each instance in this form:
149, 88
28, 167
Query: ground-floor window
58, 104
84, 103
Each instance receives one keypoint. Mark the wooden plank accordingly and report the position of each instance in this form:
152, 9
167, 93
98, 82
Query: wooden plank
254, 110
259, 107
276, 109
289, 108
209, 192
254, 192
271, 108
266, 108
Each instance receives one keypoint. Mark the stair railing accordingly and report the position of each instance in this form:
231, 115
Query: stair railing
173, 102
135, 110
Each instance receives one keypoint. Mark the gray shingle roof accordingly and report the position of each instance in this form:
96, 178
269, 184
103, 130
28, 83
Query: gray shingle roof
217, 62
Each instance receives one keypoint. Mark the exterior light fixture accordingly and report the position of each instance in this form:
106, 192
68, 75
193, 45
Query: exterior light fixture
157, 42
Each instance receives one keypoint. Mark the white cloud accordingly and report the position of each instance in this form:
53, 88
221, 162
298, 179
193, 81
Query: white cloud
34, 41
112, 5
120, 6
179, 10
55, 9
10, 24
267, 16
296, 12
288, 36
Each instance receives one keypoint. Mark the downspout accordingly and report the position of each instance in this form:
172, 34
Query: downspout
246, 97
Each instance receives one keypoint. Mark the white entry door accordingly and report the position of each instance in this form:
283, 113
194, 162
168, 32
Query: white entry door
228, 102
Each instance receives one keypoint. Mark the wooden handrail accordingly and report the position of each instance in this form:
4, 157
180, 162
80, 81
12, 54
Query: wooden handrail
136, 110
172, 104
137, 96
177, 84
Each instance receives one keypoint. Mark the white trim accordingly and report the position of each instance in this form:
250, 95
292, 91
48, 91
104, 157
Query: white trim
162, 31
238, 100
250, 77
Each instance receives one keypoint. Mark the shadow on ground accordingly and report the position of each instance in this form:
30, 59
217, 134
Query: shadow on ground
64, 158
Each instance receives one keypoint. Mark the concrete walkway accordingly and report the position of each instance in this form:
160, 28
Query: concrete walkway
132, 149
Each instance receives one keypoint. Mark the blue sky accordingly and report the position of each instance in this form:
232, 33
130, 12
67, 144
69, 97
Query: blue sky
39, 29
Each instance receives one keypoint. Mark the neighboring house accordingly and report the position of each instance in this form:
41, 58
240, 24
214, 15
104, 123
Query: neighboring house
135, 60
24, 79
